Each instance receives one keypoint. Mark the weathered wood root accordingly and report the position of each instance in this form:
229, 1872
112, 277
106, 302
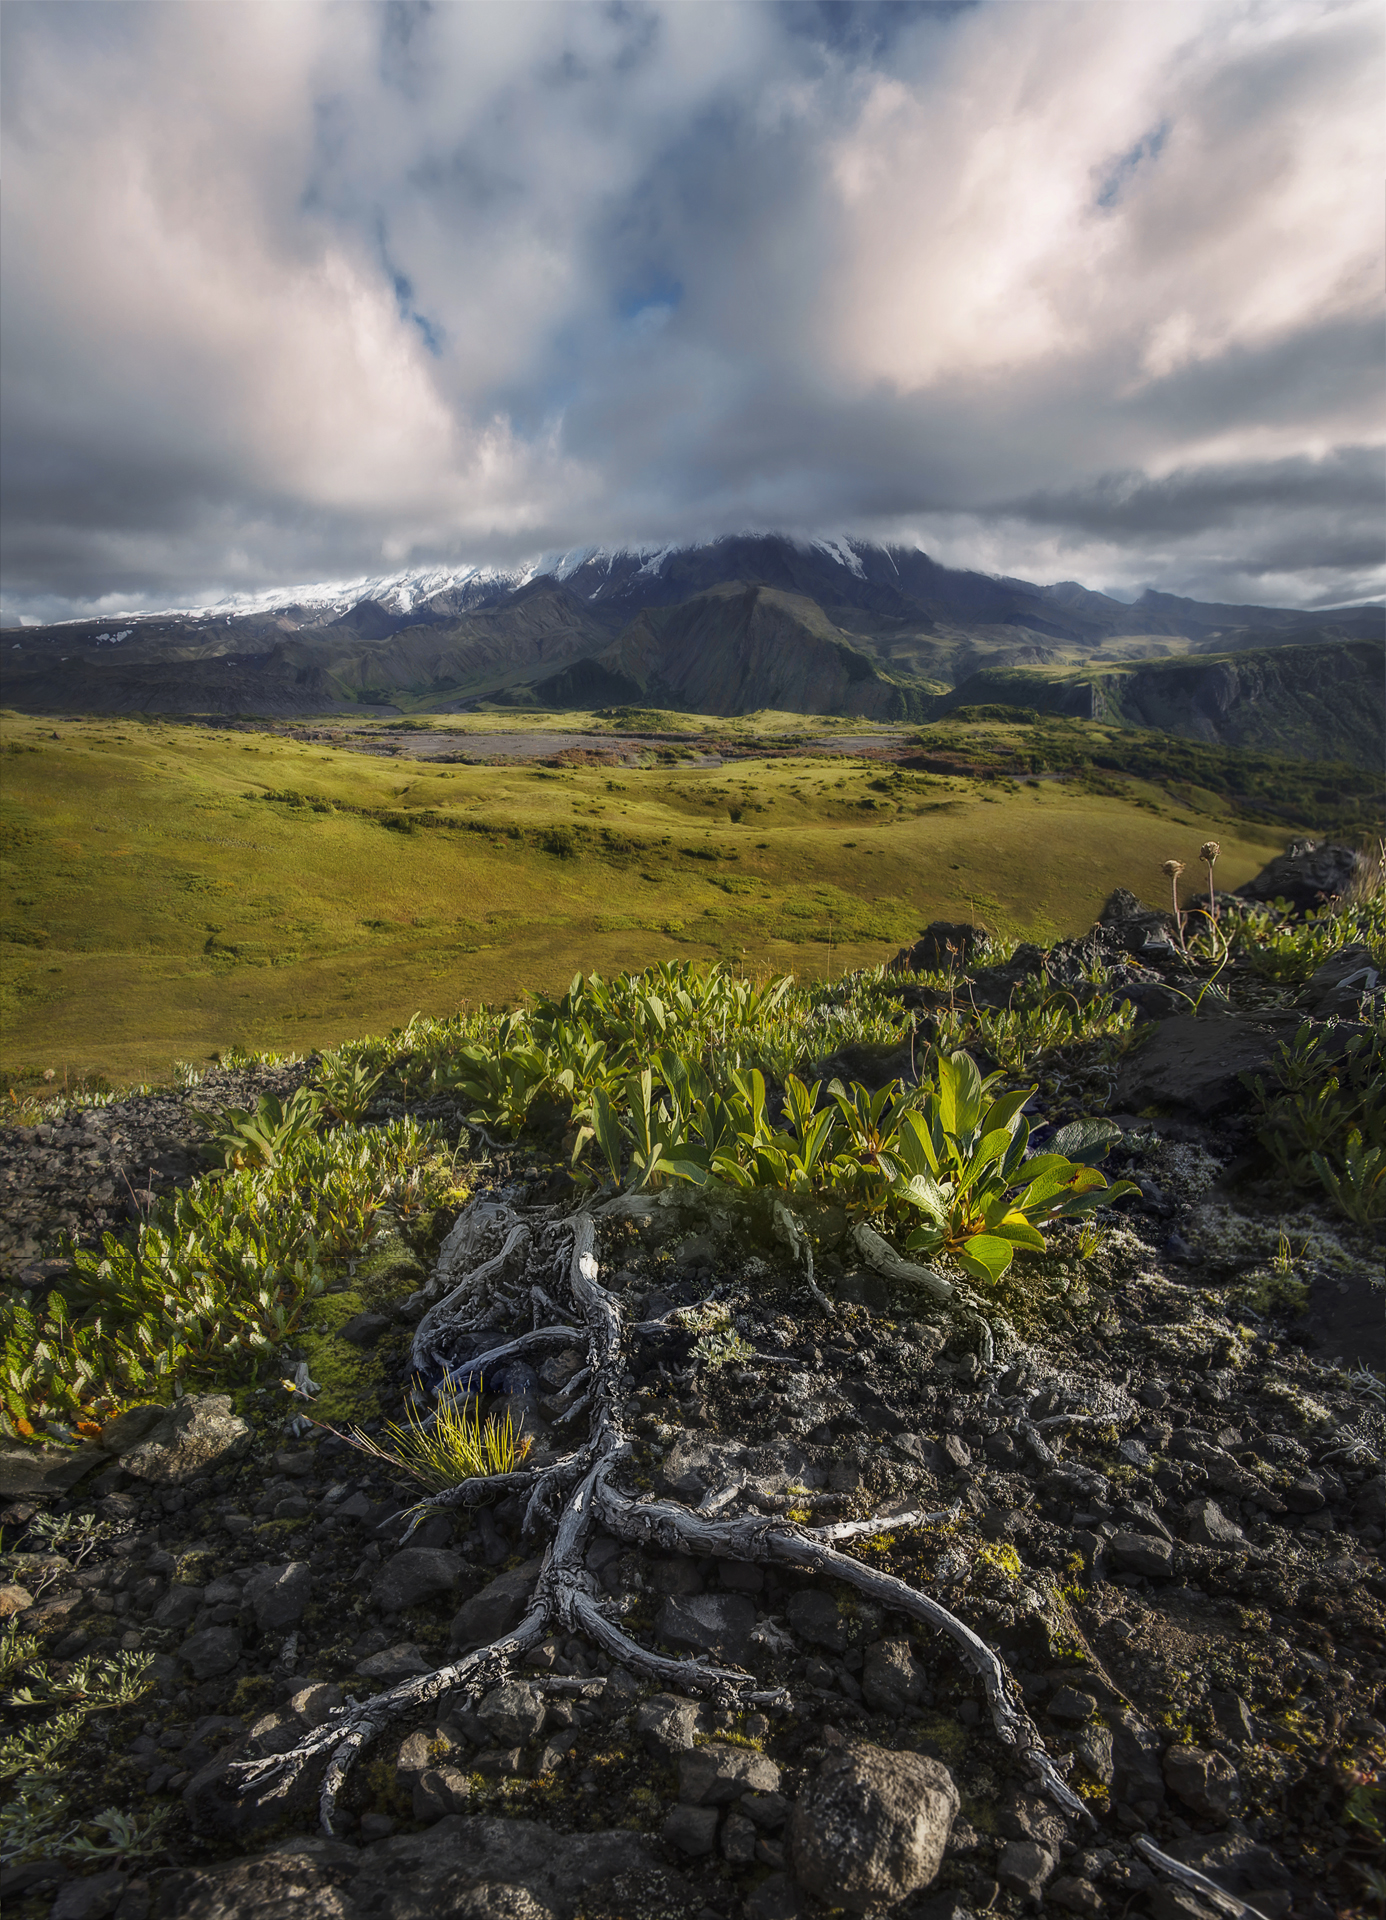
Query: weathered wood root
958, 1300
565, 1594
1195, 1882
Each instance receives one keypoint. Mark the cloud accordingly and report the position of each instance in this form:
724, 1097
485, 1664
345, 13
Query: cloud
1066, 288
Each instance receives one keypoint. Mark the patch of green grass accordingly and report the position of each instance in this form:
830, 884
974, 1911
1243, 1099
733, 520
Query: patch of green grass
156, 903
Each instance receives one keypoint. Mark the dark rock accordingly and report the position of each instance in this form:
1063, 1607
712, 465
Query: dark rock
1024, 1867
1206, 1782
416, 1754
46, 1470
776, 1898
667, 1725
1342, 1320
768, 1810
1137, 1778
892, 1677
1069, 1704
1339, 986
364, 1329
439, 1791
1132, 926
1030, 1816
738, 1841
199, 1432
209, 1654
1304, 1496
94, 1898
122, 1433
872, 1828
1074, 1894
740, 1576
278, 1596
298, 1466
1232, 1718
716, 1774
815, 1617
716, 1623
178, 1608
1194, 1062
393, 1664
512, 1713
1236, 1863
1206, 1525
693, 1830
415, 1574
1142, 1553
944, 944
497, 1608
1305, 876
679, 1573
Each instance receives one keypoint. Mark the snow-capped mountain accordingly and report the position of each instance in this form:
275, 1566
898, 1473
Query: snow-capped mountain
828, 623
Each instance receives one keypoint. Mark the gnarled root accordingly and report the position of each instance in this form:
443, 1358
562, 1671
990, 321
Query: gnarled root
576, 1490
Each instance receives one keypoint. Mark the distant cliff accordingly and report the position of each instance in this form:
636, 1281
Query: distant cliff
1313, 703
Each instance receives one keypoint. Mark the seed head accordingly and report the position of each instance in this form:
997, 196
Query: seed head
1209, 851
1173, 868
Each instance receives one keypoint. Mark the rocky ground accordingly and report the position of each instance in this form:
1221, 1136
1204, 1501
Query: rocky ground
1162, 1506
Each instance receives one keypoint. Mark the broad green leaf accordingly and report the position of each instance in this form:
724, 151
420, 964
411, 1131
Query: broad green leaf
608, 1132
915, 1145
925, 1193
1017, 1229
960, 1093
1005, 1111
985, 1256
1089, 1139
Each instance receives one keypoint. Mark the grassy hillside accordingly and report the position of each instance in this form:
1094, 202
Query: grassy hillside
168, 891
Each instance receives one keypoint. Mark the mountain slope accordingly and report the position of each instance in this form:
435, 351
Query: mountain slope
736, 649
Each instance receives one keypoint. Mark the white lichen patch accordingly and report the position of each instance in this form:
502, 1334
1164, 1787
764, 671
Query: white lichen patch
1183, 1171
1226, 1237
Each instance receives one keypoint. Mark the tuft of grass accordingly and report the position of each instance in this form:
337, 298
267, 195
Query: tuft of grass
448, 1447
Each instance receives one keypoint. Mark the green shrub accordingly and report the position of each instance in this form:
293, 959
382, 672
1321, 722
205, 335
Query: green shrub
212, 1282
1323, 1119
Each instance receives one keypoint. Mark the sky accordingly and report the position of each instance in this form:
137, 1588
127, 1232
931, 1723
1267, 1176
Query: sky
1064, 289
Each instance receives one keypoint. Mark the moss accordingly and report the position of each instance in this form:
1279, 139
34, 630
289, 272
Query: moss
352, 1378
946, 1736
388, 1272
1002, 1558
251, 1693
272, 1530
1268, 1291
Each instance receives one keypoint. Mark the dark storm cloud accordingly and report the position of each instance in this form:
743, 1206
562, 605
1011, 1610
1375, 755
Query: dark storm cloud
1063, 289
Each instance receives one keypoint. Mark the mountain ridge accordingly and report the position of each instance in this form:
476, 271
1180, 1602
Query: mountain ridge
744, 622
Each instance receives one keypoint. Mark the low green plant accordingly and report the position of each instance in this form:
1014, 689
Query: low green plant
1323, 1117
262, 1135
216, 1278
961, 1161
36, 1819
1042, 1019
346, 1086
